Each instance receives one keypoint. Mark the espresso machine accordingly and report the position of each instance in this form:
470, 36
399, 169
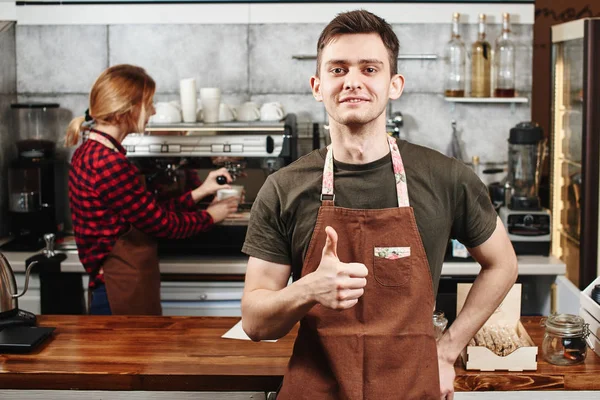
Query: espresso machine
527, 222
174, 159
31, 179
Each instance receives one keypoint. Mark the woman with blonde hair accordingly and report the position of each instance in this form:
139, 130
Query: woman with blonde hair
115, 219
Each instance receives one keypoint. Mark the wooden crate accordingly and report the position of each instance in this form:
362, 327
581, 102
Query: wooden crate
508, 313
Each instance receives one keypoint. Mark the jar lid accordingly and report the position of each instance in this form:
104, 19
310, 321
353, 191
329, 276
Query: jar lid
526, 133
565, 325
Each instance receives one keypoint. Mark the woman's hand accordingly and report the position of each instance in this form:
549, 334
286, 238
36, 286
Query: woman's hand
219, 210
210, 185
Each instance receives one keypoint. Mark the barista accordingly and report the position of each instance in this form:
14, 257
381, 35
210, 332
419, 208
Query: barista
362, 226
115, 219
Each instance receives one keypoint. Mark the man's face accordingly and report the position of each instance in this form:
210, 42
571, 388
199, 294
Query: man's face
355, 82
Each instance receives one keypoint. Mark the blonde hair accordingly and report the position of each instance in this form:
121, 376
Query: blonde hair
122, 95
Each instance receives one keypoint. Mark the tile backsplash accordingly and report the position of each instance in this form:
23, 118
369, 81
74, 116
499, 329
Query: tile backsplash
8, 95
253, 62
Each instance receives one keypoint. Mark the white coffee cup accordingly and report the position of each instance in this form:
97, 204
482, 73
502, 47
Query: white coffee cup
166, 113
187, 92
211, 101
235, 191
227, 113
248, 111
271, 112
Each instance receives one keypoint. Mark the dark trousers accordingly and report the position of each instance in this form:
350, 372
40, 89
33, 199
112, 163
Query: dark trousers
99, 305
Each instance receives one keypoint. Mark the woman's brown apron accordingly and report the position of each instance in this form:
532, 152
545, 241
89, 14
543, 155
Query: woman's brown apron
383, 347
131, 270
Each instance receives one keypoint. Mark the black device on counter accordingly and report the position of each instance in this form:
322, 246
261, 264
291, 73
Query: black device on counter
527, 223
31, 177
61, 293
22, 339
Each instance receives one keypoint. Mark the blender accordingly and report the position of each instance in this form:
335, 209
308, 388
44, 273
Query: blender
31, 179
527, 223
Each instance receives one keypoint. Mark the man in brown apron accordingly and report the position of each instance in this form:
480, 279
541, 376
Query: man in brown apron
364, 295
361, 352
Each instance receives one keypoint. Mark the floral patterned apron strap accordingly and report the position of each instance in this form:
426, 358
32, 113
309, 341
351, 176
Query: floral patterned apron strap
327, 190
399, 175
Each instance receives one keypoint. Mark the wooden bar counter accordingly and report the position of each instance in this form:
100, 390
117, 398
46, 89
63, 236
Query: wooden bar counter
188, 354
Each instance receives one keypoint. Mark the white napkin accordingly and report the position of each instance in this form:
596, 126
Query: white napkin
236, 332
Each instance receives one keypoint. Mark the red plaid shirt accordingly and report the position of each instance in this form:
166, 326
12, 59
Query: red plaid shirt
107, 198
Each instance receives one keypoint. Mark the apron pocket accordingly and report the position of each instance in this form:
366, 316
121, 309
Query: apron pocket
392, 265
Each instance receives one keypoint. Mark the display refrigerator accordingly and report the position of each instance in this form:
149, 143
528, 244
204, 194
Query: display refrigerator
575, 164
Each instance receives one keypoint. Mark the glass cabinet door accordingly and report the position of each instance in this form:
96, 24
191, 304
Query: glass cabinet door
567, 153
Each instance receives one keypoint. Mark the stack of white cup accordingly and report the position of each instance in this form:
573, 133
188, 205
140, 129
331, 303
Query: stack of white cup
187, 91
211, 101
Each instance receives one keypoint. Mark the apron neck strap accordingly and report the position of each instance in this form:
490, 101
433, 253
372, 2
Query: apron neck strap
102, 140
327, 195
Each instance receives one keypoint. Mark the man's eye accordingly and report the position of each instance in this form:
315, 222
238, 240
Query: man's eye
370, 70
337, 70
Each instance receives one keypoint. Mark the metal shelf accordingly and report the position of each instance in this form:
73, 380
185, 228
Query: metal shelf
493, 100
250, 126
488, 99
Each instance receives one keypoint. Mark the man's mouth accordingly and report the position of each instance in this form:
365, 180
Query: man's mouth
353, 100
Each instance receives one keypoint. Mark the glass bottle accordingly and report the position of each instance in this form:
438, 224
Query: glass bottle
454, 56
504, 57
476, 166
480, 63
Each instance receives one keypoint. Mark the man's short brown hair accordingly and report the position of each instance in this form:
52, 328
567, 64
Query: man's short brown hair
360, 21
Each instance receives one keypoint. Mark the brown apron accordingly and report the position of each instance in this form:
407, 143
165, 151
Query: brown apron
383, 347
132, 275
131, 270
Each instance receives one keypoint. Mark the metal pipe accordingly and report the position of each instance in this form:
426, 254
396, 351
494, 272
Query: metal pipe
400, 57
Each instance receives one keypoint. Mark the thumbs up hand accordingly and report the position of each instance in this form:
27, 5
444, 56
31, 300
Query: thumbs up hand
337, 285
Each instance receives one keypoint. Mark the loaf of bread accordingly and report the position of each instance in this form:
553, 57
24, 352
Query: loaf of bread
501, 339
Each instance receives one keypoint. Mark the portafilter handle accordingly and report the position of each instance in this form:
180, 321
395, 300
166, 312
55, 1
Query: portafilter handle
221, 179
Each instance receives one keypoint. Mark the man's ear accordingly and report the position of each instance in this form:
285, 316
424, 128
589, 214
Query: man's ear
396, 86
315, 84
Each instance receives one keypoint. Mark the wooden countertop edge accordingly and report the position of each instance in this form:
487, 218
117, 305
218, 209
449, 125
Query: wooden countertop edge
484, 381
257, 370
142, 382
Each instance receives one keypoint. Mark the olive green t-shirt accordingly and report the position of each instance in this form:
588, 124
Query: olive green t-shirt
448, 199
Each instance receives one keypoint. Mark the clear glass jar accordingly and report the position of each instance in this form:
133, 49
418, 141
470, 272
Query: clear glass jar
564, 339
439, 324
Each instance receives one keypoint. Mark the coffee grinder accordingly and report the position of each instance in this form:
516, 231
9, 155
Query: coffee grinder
31, 177
527, 223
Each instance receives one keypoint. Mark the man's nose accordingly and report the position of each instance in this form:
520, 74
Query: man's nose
353, 79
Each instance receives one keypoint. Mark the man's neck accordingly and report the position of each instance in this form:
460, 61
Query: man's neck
111, 130
359, 145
